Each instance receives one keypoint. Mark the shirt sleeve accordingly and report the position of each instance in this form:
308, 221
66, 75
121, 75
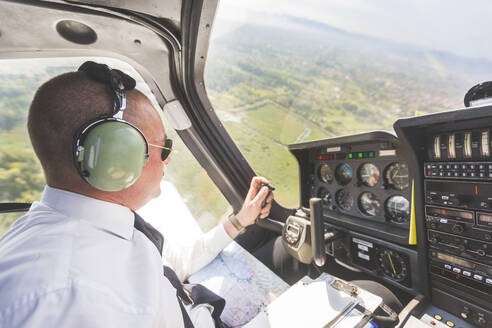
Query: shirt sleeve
188, 258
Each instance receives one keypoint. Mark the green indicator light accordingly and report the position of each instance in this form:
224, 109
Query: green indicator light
371, 154
360, 155
351, 155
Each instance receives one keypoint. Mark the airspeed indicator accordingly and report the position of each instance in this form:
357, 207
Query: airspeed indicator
396, 176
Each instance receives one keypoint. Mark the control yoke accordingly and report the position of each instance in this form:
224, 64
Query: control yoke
317, 231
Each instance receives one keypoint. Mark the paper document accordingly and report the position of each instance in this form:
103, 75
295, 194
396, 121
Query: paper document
246, 284
308, 303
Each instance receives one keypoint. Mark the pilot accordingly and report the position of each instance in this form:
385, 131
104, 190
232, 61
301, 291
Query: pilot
81, 257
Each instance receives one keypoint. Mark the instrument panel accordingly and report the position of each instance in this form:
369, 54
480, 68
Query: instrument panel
365, 187
362, 180
366, 182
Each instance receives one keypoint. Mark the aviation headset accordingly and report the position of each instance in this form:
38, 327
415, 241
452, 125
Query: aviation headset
481, 91
109, 152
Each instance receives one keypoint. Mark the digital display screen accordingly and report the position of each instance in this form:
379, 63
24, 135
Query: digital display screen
485, 219
293, 229
463, 263
449, 213
455, 260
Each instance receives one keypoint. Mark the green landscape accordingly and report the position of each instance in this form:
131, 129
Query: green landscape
271, 86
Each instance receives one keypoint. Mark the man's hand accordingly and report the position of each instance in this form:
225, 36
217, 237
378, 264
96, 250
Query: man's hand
252, 204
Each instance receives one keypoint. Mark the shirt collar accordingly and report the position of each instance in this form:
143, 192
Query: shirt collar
112, 217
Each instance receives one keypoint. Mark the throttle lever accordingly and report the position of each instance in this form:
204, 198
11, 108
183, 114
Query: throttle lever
317, 231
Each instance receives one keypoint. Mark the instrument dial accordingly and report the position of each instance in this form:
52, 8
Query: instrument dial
325, 196
325, 173
369, 204
343, 174
397, 176
398, 209
392, 265
369, 174
344, 199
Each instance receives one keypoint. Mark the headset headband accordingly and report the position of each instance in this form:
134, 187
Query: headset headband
478, 92
115, 78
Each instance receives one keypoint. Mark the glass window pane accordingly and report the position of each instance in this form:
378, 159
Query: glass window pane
281, 72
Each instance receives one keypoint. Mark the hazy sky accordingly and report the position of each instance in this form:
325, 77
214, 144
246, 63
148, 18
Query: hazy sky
460, 26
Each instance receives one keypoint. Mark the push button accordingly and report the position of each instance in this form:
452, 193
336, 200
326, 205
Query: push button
456, 270
450, 323
478, 277
437, 317
467, 273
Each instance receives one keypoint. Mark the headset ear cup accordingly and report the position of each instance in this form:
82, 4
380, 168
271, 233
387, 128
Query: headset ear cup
112, 155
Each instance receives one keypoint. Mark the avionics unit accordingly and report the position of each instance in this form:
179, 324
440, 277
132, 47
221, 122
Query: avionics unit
453, 153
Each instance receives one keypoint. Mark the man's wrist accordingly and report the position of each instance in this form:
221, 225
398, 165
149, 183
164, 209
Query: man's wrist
236, 223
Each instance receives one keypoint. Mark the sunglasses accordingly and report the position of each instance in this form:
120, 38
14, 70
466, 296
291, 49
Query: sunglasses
166, 149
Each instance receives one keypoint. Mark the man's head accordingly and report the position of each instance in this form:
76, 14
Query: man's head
65, 103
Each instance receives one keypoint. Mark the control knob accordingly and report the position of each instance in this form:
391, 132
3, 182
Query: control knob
465, 314
458, 228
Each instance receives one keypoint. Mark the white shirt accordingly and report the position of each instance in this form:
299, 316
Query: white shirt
75, 261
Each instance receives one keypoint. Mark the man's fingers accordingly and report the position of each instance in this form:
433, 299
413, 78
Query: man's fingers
255, 186
265, 211
255, 182
260, 196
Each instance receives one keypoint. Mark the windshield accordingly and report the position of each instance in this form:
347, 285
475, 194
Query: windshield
282, 72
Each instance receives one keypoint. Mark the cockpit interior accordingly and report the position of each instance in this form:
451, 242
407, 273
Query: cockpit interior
409, 207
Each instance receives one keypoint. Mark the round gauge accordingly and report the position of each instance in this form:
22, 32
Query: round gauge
324, 173
325, 195
397, 176
398, 209
392, 265
369, 174
344, 199
343, 174
369, 204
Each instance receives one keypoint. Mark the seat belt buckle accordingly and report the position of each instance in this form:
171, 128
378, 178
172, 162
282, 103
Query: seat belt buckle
186, 300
